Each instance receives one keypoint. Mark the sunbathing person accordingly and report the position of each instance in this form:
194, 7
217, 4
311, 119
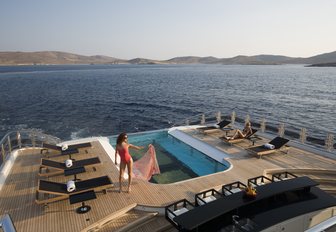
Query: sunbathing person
242, 134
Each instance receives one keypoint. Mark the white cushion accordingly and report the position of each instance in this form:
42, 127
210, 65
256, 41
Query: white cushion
206, 200
276, 179
232, 191
235, 190
177, 212
256, 185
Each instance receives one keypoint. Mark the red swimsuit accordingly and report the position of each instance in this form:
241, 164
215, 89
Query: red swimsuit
125, 156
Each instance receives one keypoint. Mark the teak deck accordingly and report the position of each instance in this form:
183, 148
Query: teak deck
18, 192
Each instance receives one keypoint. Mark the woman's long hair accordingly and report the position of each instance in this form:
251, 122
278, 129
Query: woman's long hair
121, 138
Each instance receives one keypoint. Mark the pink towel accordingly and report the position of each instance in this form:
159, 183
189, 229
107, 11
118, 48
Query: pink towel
147, 165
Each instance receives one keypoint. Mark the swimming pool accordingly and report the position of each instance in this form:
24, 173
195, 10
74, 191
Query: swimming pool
177, 160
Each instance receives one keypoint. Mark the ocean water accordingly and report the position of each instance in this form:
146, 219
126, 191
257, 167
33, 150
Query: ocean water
76, 101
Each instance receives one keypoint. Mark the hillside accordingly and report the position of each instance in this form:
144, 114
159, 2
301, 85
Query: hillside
323, 65
256, 60
324, 58
193, 60
52, 57
145, 61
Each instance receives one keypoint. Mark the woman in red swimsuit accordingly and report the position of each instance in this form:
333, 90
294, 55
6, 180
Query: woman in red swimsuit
122, 147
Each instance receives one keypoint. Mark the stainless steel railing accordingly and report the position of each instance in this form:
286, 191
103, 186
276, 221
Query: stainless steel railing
23, 138
305, 135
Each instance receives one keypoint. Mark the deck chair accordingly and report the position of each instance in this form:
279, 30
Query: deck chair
59, 190
210, 129
47, 147
60, 166
238, 140
278, 143
72, 149
79, 145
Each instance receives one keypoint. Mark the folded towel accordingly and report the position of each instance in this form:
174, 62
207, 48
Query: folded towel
269, 146
71, 186
68, 163
64, 147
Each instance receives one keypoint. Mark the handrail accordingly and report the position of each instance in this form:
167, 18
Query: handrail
3, 140
314, 135
35, 132
23, 138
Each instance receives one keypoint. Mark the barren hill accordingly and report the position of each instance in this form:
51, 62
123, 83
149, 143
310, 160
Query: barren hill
53, 57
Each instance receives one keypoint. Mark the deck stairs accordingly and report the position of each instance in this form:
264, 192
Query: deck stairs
138, 221
130, 219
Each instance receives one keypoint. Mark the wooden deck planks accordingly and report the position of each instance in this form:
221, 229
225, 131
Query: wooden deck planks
18, 194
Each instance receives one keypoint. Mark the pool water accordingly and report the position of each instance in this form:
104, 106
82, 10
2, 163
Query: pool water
177, 160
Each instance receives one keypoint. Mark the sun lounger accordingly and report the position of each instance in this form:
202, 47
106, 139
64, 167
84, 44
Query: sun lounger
59, 190
60, 166
210, 129
79, 145
277, 142
238, 140
47, 147
71, 149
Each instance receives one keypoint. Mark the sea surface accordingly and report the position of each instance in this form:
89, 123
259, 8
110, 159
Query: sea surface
76, 101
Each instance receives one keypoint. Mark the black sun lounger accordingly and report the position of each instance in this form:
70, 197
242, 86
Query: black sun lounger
79, 145
46, 147
209, 129
60, 190
71, 148
60, 166
278, 143
237, 140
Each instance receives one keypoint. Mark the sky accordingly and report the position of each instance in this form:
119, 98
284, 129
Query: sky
158, 29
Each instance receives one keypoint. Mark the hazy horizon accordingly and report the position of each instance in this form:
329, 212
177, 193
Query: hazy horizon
149, 58
163, 30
